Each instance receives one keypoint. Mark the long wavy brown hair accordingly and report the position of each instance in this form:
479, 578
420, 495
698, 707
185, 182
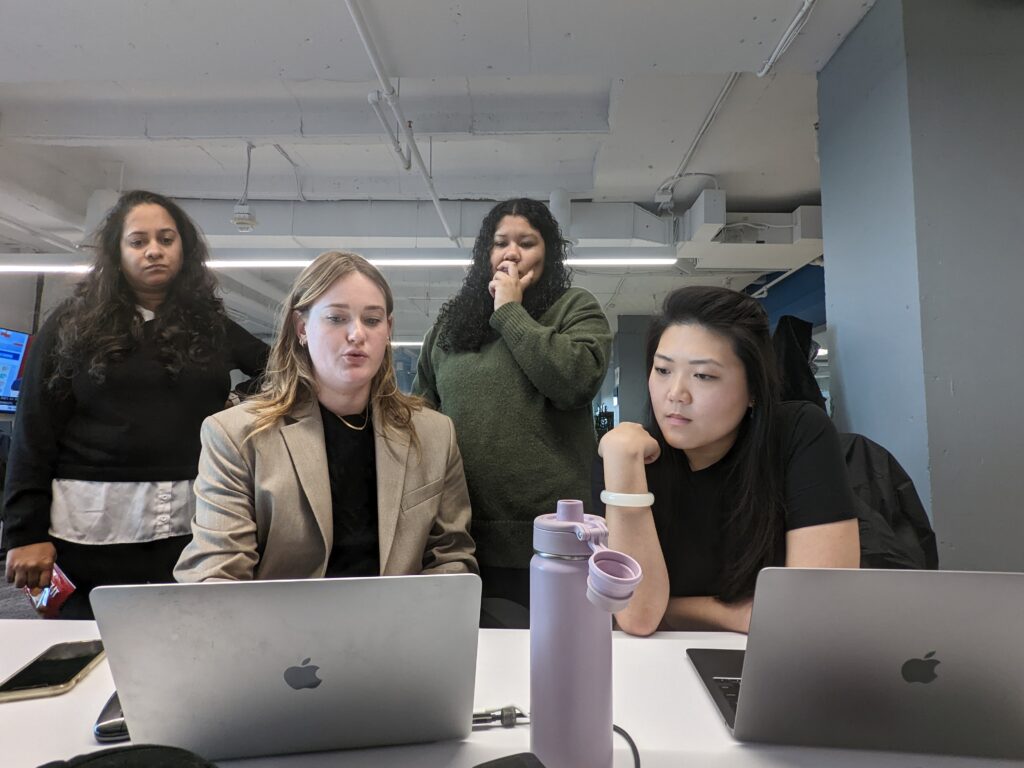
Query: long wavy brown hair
290, 378
99, 324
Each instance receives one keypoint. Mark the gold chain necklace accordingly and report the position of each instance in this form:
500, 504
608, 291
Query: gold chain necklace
366, 420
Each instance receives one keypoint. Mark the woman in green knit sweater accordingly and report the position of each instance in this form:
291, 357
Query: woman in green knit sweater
515, 359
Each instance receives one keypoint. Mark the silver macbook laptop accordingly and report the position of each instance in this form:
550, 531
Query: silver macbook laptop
274, 667
921, 661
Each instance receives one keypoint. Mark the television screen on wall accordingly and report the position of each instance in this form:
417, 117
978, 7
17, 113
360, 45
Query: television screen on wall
13, 345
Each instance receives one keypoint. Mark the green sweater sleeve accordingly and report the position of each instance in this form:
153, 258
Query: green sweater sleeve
424, 384
565, 359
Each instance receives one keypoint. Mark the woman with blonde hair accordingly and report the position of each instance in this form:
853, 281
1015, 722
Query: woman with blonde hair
330, 470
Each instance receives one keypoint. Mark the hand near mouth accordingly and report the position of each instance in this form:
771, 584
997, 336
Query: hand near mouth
507, 285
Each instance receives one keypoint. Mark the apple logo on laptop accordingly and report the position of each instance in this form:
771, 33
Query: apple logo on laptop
920, 670
303, 676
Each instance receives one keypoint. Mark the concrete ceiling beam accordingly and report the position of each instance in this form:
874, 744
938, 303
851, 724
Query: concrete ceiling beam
345, 186
43, 197
287, 120
408, 225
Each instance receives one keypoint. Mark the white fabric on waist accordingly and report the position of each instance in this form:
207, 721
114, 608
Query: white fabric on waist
95, 512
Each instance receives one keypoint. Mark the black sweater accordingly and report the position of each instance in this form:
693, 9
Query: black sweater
138, 425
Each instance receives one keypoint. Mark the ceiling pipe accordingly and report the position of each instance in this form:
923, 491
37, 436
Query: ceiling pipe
762, 292
391, 99
295, 170
405, 158
664, 194
787, 37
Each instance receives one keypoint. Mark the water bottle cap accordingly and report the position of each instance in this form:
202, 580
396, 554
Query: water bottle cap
560, 533
613, 578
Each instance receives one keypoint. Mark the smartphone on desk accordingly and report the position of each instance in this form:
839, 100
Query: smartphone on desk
56, 670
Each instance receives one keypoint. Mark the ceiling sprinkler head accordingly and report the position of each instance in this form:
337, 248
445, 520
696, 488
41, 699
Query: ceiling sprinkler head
243, 219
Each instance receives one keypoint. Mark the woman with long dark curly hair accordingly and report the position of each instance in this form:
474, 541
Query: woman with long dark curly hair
515, 359
725, 479
116, 386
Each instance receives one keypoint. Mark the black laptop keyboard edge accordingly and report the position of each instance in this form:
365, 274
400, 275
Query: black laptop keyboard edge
730, 688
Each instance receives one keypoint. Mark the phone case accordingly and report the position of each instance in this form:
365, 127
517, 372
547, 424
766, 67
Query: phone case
51, 690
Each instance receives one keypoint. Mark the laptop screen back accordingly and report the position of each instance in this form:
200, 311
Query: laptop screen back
257, 668
926, 661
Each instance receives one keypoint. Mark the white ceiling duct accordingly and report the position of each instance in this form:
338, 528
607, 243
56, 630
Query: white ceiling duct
412, 225
717, 239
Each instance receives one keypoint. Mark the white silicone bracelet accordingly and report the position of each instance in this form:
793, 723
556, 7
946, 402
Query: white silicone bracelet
627, 499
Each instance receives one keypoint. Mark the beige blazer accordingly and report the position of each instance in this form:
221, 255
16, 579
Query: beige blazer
263, 506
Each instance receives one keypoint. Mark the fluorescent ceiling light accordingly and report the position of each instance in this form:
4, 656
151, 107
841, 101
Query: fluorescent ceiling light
48, 268
626, 262
406, 343
822, 352
258, 263
385, 262
303, 263
421, 262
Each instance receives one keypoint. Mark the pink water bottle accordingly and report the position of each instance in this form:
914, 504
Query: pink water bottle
576, 583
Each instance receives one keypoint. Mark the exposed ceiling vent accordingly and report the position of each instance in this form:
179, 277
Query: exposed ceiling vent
717, 239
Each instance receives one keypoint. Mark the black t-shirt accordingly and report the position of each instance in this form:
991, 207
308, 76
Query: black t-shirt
691, 508
352, 469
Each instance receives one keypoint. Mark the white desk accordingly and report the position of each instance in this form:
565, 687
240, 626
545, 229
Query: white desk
659, 700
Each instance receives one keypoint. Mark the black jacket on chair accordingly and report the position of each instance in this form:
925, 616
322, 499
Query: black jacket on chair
794, 350
894, 528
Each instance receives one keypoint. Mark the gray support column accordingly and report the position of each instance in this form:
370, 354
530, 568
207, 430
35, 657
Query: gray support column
629, 352
922, 114
871, 280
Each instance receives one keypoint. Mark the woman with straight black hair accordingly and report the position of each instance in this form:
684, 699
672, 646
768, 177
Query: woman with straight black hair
515, 360
725, 479
116, 386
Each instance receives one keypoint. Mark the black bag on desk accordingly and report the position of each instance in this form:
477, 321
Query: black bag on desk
135, 756
521, 760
